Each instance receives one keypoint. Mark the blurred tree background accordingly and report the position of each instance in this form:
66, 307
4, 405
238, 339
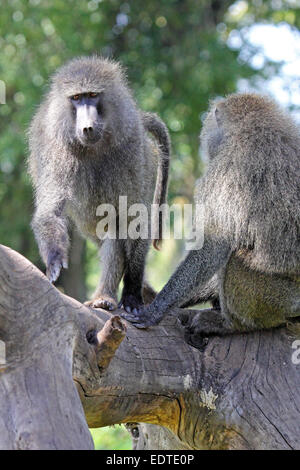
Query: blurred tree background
178, 54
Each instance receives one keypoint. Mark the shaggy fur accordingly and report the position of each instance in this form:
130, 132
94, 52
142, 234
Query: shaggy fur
250, 260
71, 180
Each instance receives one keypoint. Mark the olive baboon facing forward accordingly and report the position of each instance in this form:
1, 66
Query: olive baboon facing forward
88, 146
250, 260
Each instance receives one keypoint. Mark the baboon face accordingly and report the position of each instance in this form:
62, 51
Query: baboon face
87, 110
87, 99
211, 135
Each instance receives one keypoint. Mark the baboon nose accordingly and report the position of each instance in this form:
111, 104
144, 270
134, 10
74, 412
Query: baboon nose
88, 130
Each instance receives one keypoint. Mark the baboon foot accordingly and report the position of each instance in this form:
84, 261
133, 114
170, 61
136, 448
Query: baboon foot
200, 325
131, 303
103, 301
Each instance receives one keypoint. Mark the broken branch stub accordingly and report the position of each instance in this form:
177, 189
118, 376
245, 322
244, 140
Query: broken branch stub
108, 339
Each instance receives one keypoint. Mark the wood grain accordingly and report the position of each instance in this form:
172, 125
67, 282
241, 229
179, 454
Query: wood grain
240, 392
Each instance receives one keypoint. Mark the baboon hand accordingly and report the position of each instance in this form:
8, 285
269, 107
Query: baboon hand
56, 260
146, 316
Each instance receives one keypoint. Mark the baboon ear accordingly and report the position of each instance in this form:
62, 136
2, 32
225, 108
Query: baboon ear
219, 114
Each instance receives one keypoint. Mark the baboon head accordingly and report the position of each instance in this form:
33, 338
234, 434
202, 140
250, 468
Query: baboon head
86, 99
237, 115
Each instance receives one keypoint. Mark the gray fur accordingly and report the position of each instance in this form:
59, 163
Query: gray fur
251, 194
71, 180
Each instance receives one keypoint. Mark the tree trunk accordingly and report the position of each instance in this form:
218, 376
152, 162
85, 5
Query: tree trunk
240, 392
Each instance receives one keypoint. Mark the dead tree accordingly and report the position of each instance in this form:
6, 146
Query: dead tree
68, 367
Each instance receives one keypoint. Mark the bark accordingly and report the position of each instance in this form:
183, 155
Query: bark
240, 392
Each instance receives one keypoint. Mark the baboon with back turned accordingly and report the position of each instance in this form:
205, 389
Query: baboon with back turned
89, 144
249, 265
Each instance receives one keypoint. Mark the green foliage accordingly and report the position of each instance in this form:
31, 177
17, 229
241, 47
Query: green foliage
271, 11
177, 59
111, 438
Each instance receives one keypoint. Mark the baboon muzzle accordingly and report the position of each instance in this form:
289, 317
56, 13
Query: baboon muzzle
87, 123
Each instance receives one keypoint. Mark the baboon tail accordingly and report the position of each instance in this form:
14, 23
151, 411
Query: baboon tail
158, 129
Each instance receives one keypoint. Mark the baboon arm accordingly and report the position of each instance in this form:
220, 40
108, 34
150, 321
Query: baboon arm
197, 269
50, 228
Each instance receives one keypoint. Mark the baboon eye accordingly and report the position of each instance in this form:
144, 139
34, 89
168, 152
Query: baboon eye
93, 95
75, 97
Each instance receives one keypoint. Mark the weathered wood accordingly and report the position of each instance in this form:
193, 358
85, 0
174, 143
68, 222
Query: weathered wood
241, 392
108, 340
151, 436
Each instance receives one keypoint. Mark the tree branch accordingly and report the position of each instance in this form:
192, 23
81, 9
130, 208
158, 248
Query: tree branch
240, 392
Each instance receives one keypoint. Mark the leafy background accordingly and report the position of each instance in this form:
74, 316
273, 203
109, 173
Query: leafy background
178, 54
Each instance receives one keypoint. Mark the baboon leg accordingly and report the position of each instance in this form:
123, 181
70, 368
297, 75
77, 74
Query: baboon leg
207, 293
136, 252
201, 324
112, 258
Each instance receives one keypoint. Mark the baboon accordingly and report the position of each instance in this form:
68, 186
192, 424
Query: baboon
89, 144
249, 265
